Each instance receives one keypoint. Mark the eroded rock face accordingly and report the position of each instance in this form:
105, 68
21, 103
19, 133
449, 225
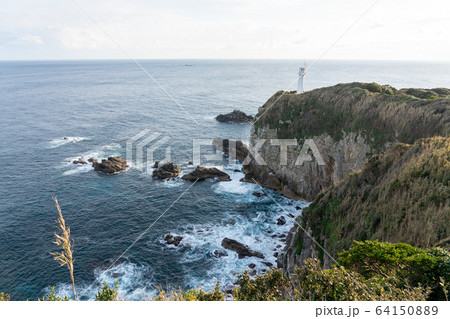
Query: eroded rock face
241, 249
112, 165
201, 173
235, 117
166, 170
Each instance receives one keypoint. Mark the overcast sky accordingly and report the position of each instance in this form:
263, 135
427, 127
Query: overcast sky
261, 29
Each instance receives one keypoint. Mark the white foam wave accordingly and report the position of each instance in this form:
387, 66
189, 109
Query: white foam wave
259, 231
134, 283
60, 141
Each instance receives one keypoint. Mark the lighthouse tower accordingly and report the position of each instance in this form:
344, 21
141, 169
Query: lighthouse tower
301, 74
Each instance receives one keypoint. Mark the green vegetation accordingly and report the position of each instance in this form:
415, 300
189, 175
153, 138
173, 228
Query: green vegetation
52, 296
402, 195
411, 266
192, 295
106, 293
381, 113
4, 297
311, 282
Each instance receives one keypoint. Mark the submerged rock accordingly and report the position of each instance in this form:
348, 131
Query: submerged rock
167, 170
79, 161
281, 220
173, 240
241, 249
258, 194
219, 253
235, 117
201, 173
112, 165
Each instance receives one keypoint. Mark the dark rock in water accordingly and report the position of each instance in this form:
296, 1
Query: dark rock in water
92, 160
281, 220
112, 165
200, 173
156, 164
282, 236
278, 246
237, 170
79, 161
190, 163
235, 149
273, 236
298, 207
257, 194
219, 253
173, 240
251, 266
241, 249
235, 117
268, 264
275, 255
252, 272
290, 215
167, 170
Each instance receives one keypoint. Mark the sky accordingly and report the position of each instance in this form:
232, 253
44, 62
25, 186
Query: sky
225, 29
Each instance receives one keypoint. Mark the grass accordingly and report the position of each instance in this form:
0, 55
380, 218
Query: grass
380, 113
62, 239
402, 195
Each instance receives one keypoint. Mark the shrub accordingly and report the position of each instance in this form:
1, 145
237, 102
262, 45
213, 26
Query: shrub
191, 295
373, 87
311, 282
52, 296
4, 297
107, 293
410, 265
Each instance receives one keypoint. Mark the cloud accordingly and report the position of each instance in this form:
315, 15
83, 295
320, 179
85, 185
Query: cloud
83, 38
28, 39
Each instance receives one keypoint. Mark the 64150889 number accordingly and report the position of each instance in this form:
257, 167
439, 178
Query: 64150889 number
407, 310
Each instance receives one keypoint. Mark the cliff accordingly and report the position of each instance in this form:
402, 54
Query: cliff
402, 195
372, 162
347, 123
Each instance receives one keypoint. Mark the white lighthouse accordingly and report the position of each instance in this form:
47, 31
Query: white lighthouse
301, 74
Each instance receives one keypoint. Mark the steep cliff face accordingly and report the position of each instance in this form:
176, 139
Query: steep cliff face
400, 196
347, 123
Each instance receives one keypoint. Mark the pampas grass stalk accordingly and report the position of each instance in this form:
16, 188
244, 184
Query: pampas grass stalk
65, 256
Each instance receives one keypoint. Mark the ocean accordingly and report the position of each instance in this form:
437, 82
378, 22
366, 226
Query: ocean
54, 112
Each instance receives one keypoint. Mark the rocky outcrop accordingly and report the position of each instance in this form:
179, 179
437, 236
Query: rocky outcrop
235, 117
202, 173
80, 161
166, 170
173, 240
240, 249
112, 165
